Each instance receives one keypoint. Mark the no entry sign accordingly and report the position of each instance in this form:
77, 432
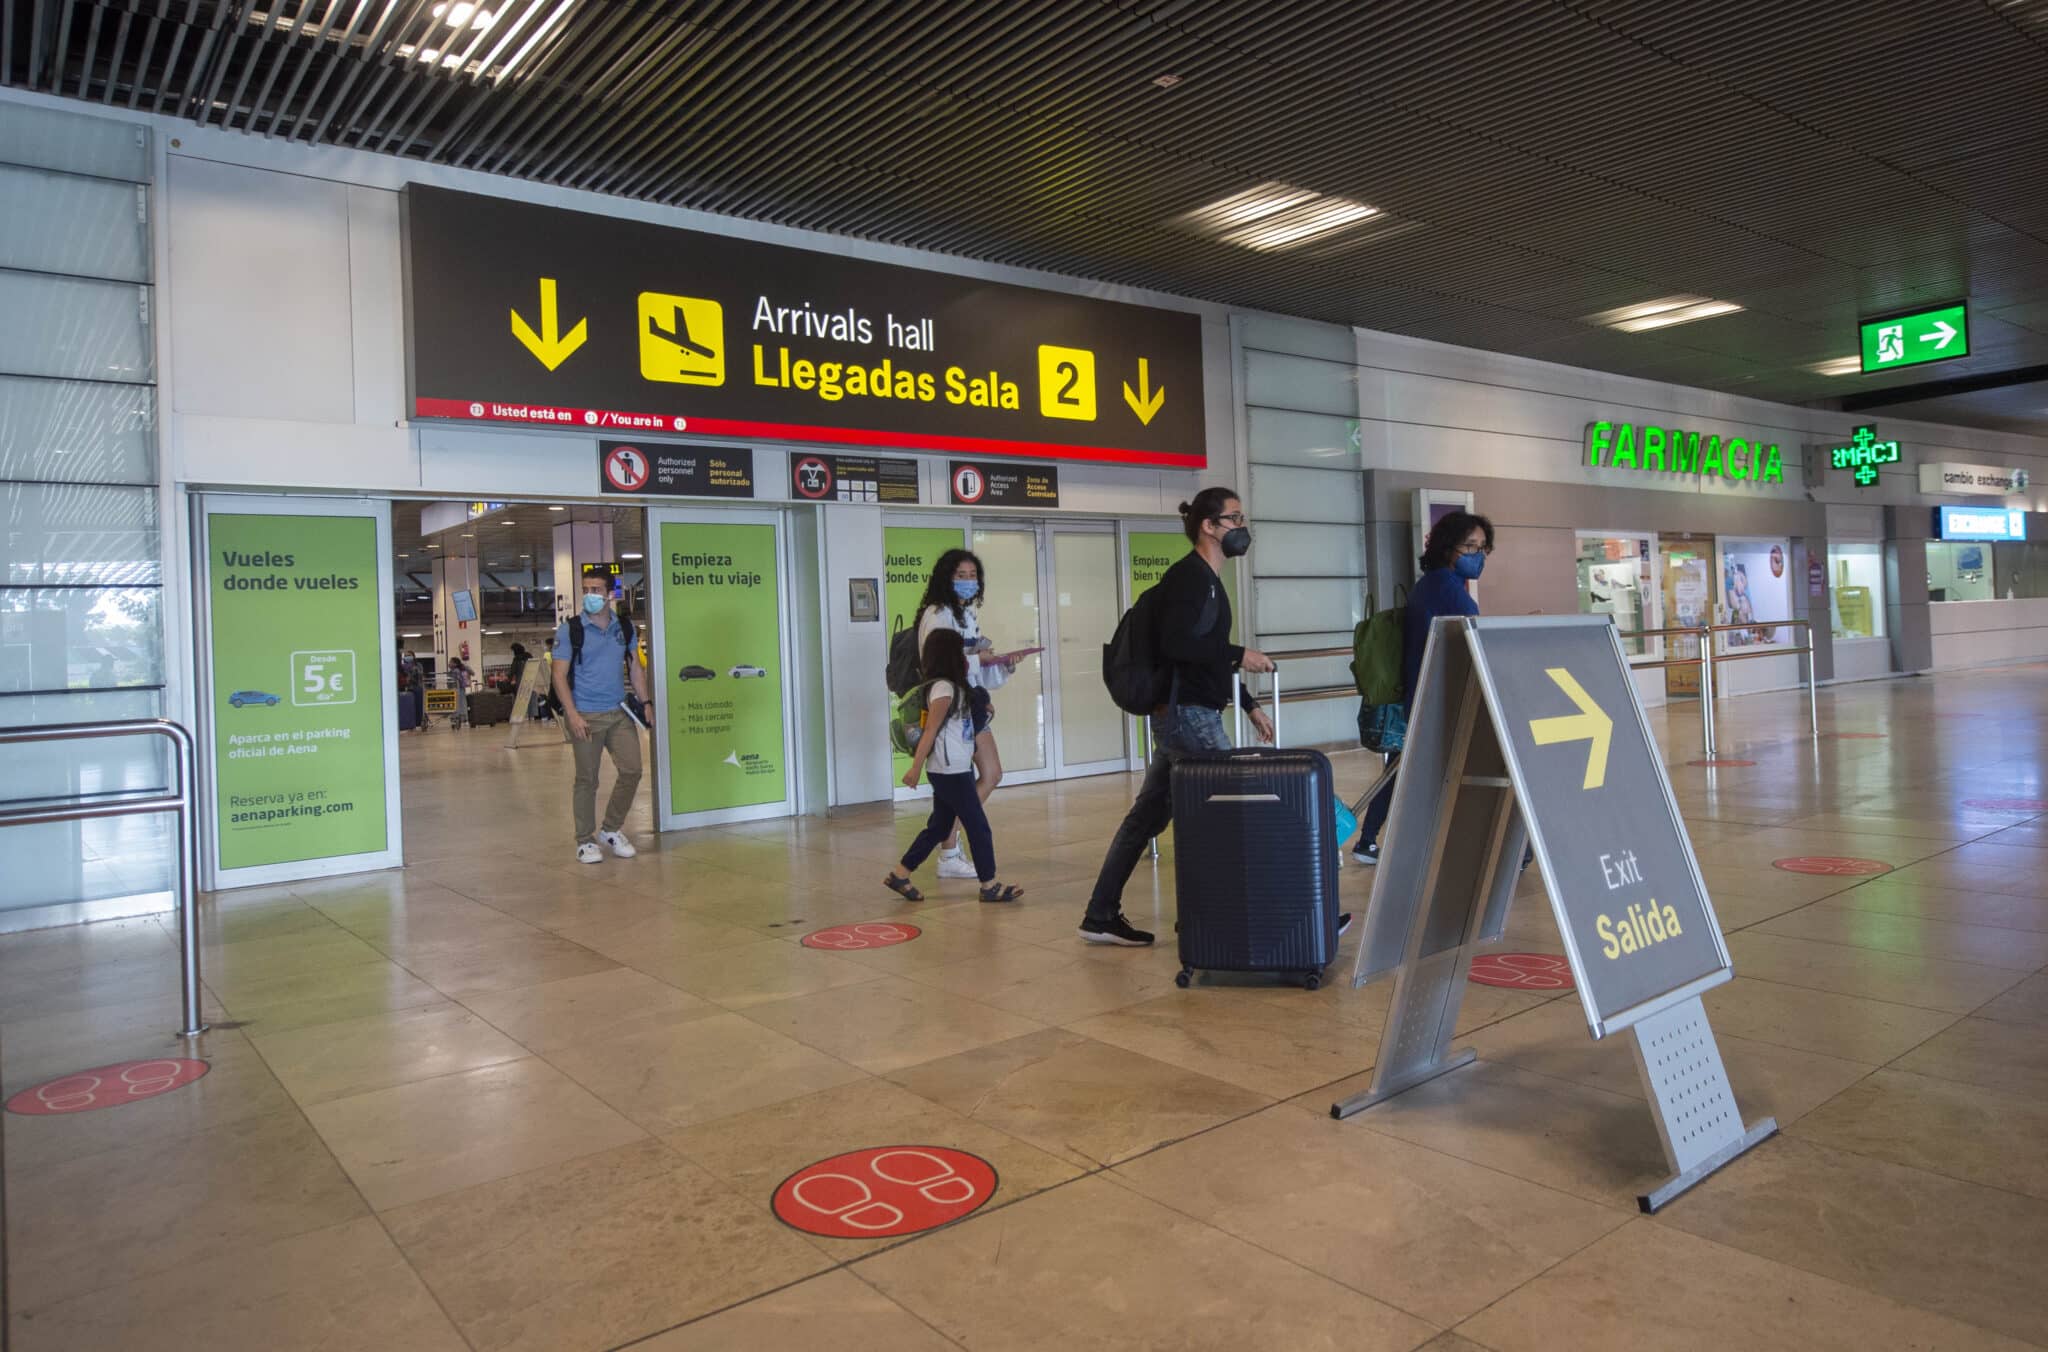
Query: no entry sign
884, 1191
1522, 971
868, 934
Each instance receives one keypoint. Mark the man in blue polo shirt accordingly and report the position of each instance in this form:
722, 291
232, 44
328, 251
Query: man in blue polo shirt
590, 681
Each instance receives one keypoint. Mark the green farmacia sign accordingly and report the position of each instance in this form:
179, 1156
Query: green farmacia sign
1671, 450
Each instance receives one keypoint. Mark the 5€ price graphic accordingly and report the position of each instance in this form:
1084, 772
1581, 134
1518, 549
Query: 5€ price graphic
324, 677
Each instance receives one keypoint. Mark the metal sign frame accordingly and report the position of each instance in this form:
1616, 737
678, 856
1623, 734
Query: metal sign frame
1433, 908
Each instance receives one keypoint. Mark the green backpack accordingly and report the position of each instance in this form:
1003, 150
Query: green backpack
1376, 646
906, 724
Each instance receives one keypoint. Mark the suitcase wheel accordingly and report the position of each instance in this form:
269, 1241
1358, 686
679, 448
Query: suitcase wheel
1313, 981
1186, 975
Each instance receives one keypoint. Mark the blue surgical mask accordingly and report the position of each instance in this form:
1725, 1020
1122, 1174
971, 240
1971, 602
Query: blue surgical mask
1470, 566
966, 588
593, 603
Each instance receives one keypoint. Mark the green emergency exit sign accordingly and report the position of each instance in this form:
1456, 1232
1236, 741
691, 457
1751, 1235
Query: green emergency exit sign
1909, 340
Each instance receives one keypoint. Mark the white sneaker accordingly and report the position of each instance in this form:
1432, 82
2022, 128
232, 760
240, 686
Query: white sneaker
587, 853
616, 842
956, 866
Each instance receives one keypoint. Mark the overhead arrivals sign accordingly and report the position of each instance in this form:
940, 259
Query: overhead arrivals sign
537, 315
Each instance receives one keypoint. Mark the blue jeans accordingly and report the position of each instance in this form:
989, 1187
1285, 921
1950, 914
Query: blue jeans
954, 797
1182, 730
1376, 811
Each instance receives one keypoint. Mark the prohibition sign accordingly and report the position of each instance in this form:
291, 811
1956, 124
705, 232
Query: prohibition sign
626, 467
812, 477
1522, 971
969, 483
884, 1191
113, 1086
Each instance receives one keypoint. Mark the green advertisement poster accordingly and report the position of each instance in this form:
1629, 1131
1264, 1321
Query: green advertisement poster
298, 687
913, 552
722, 629
1152, 553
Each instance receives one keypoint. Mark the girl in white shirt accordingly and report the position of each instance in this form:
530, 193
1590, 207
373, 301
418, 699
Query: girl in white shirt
947, 746
952, 599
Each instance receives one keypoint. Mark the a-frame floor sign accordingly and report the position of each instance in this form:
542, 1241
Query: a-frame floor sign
1528, 731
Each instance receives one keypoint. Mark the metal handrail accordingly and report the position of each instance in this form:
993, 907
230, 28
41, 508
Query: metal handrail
1709, 655
182, 801
1310, 652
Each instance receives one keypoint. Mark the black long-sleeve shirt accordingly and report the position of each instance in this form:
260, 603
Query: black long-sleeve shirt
1202, 656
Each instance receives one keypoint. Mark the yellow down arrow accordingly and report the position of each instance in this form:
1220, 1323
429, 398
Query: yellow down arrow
550, 346
1590, 723
1145, 401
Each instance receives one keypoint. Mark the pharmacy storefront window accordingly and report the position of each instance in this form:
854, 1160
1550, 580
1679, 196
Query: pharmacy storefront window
1616, 578
1856, 591
1755, 592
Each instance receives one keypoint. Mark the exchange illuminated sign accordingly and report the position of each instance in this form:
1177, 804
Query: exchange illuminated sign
1864, 454
1909, 340
537, 315
1980, 523
1671, 450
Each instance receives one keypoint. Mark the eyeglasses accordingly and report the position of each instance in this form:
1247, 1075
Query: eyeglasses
1230, 518
1475, 549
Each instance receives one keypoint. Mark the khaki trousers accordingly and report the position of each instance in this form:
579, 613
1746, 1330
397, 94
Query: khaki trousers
617, 733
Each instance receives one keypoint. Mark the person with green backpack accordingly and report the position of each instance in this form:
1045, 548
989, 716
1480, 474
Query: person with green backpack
1453, 555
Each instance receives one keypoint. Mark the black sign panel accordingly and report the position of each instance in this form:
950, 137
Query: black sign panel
532, 314
976, 484
679, 471
853, 478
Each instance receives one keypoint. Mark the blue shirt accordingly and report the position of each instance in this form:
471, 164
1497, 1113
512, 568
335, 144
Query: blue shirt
599, 681
1440, 592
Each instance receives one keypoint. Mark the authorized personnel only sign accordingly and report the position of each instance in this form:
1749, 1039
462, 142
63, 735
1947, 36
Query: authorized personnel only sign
537, 315
1622, 876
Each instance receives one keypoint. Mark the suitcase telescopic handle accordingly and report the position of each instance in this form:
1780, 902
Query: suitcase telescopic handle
1237, 704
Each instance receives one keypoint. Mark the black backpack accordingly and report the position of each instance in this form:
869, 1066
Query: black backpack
904, 669
1136, 673
576, 646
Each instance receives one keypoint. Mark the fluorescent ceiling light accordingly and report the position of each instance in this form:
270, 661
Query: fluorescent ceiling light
1662, 314
1837, 366
1275, 216
414, 635
629, 556
558, 509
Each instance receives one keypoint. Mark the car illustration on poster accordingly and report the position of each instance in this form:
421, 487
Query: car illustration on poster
743, 670
242, 699
695, 673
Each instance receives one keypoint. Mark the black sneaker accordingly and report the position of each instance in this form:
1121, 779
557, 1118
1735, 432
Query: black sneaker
1115, 930
1343, 923
1368, 855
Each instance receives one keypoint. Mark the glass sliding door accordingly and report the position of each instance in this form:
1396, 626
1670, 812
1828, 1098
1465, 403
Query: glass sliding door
1089, 729
1011, 620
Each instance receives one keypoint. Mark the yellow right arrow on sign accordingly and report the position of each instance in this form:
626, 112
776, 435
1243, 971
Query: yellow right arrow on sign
1590, 724
1145, 401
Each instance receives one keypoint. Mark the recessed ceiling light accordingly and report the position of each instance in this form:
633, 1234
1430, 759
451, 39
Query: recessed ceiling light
1275, 216
558, 509
405, 556
1166, 81
1837, 366
467, 536
629, 556
413, 635
1662, 314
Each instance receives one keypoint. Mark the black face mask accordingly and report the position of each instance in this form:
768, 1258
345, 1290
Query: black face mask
1237, 541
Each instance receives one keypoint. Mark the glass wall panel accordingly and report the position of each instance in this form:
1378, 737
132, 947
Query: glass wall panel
74, 327
76, 143
1084, 577
1009, 620
1283, 494
80, 638
83, 227
1279, 436
79, 535
1856, 600
1272, 380
77, 431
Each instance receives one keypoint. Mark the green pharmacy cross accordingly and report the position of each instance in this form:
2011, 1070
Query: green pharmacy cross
1864, 454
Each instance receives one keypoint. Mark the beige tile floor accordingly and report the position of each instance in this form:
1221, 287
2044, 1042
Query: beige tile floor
499, 1100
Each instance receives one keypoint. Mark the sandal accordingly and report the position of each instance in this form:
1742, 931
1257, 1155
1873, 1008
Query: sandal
999, 892
902, 888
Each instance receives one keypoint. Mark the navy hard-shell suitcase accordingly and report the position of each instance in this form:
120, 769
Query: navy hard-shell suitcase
1255, 863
